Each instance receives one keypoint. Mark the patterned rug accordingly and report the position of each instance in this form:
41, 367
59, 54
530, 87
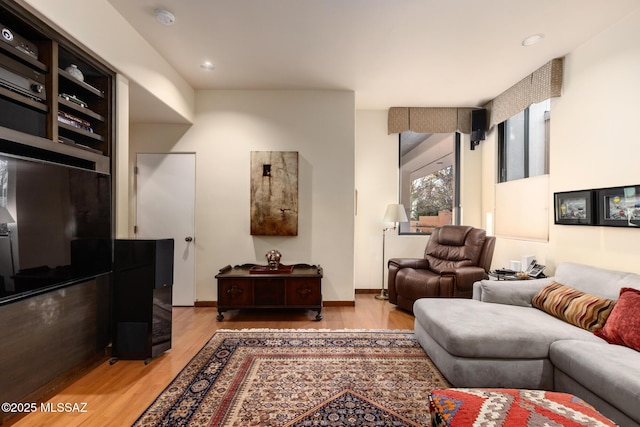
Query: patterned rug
301, 378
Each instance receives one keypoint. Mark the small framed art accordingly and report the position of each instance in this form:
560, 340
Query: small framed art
618, 206
574, 207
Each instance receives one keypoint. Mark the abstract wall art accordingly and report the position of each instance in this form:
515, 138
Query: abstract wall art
274, 193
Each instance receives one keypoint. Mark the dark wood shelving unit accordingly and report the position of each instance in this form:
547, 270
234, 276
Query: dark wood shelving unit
80, 110
6, 48
24, 100
32, 78
39, 118
81, 84
82, 132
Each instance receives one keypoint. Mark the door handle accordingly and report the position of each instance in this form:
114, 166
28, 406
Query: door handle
188, 239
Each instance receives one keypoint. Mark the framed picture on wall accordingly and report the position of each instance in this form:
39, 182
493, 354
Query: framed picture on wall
274, 193
574, 207
618, 206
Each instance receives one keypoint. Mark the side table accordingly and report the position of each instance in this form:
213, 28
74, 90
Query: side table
255, 286
497, 275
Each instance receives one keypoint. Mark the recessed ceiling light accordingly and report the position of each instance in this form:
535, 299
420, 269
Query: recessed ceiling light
165, 17
207, 65
531, 40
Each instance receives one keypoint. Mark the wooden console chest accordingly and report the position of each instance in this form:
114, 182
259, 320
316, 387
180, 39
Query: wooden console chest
253, 286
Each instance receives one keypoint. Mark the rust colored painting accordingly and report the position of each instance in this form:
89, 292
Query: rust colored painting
274, 193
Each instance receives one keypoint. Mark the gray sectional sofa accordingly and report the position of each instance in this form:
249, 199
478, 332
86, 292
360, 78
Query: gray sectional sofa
498, 339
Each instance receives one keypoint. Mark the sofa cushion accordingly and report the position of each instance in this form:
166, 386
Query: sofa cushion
612, 372
594, 280
623, 325
511, 292
471, 328
571, 305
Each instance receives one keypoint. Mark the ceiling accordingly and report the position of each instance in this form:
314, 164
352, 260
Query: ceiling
389, 52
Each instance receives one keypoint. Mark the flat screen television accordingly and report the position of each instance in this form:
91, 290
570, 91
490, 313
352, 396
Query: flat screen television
55, 226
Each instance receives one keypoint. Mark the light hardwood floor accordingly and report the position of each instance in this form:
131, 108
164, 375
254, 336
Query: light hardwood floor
115, 395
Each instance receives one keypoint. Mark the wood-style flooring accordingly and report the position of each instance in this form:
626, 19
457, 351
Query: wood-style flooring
115, 395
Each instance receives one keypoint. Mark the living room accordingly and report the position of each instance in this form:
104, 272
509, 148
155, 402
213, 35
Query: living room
340, 157
349, 161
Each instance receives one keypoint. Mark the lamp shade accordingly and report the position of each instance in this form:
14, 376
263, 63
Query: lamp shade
395, 213
5, 216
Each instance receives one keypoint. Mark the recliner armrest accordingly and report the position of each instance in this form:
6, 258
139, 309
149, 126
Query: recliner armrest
408, 263
465, 278
397, 264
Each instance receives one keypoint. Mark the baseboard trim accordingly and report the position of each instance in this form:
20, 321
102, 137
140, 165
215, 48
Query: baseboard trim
368, 291
205, 304
338, 303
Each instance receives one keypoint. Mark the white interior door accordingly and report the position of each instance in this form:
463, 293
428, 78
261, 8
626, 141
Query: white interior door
165, 187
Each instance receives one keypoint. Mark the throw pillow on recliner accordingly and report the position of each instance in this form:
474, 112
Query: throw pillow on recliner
583, 310
623, 325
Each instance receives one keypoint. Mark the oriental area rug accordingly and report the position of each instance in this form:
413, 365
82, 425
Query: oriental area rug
261, 377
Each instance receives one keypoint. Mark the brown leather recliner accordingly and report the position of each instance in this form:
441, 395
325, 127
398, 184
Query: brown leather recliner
456, 256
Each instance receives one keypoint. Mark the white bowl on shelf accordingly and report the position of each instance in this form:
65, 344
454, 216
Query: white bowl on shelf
75, 72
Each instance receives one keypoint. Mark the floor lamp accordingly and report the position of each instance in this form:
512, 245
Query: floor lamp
395, 213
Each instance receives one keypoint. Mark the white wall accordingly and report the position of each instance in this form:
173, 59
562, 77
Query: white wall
228, 125
377, 185
471, 189
594, 144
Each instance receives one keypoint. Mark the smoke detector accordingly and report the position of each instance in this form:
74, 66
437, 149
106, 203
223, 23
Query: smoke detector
531, 40
207, 65
165, 17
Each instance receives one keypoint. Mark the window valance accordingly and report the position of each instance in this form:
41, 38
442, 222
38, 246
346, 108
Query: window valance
544, 83
429, 119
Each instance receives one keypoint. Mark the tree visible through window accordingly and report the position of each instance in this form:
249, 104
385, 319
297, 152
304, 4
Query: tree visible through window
432, 194
428, 180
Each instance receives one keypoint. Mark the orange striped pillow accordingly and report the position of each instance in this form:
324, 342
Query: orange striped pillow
573, 306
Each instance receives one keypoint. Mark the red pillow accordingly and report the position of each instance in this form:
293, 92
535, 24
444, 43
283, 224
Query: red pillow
623, 325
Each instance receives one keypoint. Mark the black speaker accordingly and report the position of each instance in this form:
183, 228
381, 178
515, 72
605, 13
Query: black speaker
142, 287
478, 126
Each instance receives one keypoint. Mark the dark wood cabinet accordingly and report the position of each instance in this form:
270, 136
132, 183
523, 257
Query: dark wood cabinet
43, 352
46, 338
47, 112
142, 287
298, 287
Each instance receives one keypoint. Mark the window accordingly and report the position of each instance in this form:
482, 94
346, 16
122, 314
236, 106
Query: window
523, 143
428, 180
